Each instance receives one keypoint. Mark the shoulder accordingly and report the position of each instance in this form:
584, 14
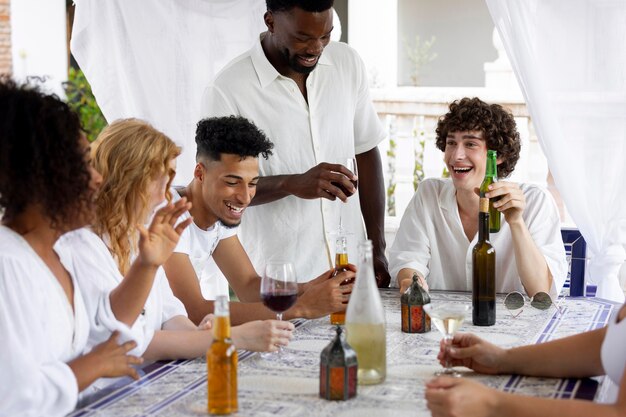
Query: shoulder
240, 66
342, 53
434, 187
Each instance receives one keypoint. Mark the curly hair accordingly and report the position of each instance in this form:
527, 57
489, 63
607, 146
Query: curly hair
129, 154
232, 135
306, 5
496, 124
42, 161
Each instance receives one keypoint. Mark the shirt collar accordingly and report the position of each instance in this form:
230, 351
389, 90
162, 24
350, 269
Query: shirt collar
266, 71
447, 198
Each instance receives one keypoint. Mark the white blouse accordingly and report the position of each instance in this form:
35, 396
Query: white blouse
614, 351
97, 271
39, 333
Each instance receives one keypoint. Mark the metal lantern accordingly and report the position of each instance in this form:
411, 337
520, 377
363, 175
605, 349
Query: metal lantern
338, 370
414, 318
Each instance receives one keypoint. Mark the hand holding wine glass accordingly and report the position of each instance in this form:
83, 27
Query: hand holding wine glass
447, 317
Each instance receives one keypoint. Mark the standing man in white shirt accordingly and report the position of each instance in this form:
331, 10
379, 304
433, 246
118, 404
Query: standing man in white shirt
439, 227
311, 97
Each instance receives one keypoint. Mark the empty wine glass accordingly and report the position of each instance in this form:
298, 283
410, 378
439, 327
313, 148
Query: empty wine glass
447, 317
350, 163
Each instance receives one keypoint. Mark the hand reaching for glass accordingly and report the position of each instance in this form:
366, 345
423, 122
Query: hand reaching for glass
262, 336
472, 352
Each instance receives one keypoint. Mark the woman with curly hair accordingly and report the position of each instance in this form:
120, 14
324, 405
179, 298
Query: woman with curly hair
439, 227
137, 163
47, 188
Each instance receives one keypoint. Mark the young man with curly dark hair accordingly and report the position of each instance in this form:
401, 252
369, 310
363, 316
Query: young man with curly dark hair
439, 227
225, 181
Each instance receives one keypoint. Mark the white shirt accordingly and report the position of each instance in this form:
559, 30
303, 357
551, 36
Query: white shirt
432, 241
613, 353
199, 245
98, 272
40, 332
338, 122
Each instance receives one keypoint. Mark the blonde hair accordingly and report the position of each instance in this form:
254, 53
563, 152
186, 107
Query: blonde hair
129, 154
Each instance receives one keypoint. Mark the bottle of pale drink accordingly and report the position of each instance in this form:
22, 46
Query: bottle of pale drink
365, 321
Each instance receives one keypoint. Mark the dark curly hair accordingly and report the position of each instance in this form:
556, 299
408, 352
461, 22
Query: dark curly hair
496, 123
41, 159
233, 135
306, 5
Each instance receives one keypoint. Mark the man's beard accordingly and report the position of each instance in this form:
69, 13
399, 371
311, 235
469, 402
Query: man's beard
229, 225
295, 65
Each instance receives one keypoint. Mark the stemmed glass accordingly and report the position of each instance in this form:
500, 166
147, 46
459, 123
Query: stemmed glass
447, 317
279, 288
352, 167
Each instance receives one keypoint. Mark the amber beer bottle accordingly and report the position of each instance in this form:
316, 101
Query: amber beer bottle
491, 176
341, 265
483, 272
221, 361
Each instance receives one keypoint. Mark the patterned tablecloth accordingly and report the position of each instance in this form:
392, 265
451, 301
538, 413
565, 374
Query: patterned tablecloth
289, 387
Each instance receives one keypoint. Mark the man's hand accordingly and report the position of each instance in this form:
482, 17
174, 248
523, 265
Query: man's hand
330, 181
325, 295
511, 202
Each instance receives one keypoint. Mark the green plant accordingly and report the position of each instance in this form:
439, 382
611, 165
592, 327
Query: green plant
419, 144
82, 101
420, 56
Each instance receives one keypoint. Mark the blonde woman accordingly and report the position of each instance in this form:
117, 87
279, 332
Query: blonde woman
137, 163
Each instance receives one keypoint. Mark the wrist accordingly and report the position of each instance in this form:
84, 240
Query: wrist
295, 312
146, 264
506, 363
496, 400
286, 183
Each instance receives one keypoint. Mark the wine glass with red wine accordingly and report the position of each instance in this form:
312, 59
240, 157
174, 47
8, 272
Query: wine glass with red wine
279, 288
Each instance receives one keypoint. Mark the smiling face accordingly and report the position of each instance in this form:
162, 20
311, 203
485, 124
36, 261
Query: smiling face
300, 36
465, 157
228, 186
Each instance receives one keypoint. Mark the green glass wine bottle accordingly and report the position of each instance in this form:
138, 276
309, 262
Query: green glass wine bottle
491, 176
483, 272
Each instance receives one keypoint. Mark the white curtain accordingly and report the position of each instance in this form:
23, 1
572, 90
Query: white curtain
152, 59
570, 60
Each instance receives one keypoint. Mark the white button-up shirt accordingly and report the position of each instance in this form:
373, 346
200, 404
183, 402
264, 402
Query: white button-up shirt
338, 122
432, 241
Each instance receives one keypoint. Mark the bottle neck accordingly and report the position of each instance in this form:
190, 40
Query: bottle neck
365, 267
492, 166
221, 323
483, 226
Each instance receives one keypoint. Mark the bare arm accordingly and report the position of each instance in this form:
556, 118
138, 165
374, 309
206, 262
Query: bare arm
372, 198
233, 261
315, 183
530, 262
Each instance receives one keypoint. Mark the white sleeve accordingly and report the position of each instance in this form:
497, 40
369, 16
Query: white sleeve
411, 247
542, 217
215, 104
32, 382
368, 131
96, 273
172, 306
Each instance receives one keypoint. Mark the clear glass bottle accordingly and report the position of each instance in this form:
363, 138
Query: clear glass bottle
221, 358
365, 321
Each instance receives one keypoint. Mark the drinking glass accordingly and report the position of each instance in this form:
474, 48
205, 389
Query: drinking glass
279, 288
447, 317
350, 163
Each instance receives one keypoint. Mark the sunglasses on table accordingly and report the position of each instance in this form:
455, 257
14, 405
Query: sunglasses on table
515, 301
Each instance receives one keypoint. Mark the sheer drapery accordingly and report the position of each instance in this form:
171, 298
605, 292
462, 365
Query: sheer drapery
152, 59
570, 61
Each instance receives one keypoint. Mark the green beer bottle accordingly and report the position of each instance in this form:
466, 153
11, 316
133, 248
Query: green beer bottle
491, 176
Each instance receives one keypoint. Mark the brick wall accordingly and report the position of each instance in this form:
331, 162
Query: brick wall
5, 37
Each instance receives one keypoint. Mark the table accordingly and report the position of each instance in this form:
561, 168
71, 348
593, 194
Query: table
290, 388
